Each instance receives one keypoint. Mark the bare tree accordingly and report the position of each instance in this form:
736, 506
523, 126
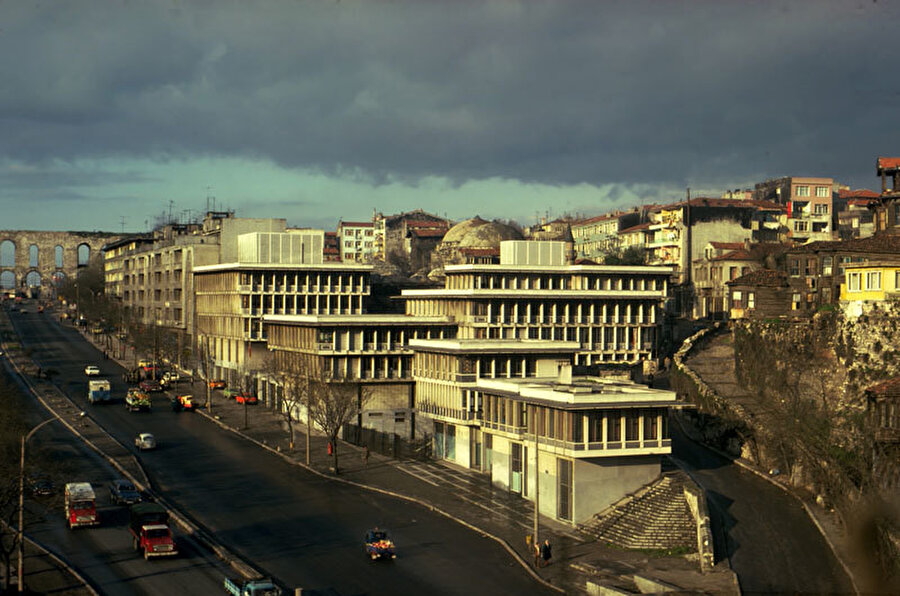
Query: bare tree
291, 374
332, 403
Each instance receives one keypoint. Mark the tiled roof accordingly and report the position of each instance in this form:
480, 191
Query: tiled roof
861, 193
636, 228
423, 223
585, 262
889, 387
427, 233
880, 243
888, 163
761, 278
735, 255
720, 202
727, 245
859, 202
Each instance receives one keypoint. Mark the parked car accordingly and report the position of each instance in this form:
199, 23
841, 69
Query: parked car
123, 492
242, 398
217, 384
91, 370
150, 386
170, 378
145, 441
41, 485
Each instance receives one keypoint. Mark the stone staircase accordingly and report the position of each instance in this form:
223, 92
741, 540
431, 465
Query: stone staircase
654, 518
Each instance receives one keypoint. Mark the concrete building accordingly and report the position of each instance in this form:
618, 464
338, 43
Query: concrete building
273, 274
513, 410
356, 241
370, 351
154, 279
810, 203
612, 312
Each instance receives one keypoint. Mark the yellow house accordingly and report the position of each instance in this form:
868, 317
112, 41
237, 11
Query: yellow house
873, 281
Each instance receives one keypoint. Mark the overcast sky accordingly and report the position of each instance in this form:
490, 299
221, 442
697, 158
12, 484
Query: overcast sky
113, 112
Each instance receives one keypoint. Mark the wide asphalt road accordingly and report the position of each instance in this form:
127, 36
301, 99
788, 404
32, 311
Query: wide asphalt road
769, 539
102, 554
302, 529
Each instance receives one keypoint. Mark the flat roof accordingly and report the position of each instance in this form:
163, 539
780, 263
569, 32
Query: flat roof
490, 346
643, 269
581, 392
364, 319
487, 292
326, 266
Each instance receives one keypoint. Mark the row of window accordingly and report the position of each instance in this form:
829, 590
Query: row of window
802, 190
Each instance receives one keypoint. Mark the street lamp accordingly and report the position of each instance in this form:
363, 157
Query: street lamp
21, 545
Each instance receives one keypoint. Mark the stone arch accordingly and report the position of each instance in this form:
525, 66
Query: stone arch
58, 256
34, 256
8, 254
7, 280
84, 254
33, 279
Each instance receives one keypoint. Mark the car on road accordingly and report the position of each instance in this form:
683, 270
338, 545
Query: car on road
184, 402
150, 386
91, 370
217, 384
243, 398
123, 492
379, 545
145, 441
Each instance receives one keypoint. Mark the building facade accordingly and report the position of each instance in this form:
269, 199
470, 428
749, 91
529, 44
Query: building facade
613, 313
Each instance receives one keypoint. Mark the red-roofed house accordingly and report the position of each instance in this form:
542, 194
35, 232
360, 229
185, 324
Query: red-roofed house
721, 263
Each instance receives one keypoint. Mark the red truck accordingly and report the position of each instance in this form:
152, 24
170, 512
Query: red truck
150, 531
81, 505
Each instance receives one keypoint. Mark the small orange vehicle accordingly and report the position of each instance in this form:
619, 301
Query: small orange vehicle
217, 384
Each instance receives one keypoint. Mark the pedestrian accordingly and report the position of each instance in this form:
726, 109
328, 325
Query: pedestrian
365, 455
537, 554
330, 448
546, 553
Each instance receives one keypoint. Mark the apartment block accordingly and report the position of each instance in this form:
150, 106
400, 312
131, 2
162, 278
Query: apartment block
810, 204
356, 241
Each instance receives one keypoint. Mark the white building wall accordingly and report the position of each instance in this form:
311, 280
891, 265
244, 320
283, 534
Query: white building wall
529, 252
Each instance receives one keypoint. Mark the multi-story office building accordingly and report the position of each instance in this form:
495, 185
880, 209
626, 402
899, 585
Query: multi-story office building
513, 410
612, 312
370, 351
273, 274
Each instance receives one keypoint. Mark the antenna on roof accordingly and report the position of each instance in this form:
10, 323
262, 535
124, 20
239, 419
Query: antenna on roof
122, 220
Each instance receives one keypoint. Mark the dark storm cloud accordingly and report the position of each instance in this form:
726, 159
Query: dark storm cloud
558, 93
